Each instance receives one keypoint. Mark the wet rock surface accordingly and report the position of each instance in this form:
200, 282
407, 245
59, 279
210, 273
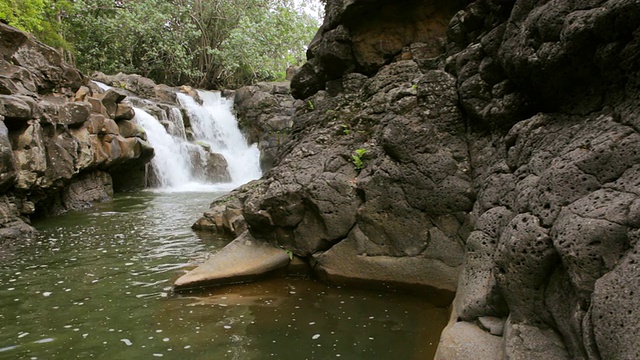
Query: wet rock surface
265, 114
506, 158
60, 143
243, 259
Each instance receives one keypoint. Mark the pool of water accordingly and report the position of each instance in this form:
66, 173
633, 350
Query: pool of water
97, 285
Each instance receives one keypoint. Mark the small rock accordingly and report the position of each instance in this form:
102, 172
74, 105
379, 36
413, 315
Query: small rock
493, 324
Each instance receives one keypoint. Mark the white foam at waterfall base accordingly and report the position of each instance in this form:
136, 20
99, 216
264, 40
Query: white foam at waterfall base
213, 122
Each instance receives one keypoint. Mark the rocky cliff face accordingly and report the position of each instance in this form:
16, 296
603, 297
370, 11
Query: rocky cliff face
488, 149
265, 113
61, 141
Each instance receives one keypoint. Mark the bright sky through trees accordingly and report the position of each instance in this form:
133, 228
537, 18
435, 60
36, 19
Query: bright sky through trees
314, 8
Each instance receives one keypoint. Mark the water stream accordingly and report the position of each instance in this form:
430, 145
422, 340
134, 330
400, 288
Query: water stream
213, 123
171, 160
97, 285
179, 161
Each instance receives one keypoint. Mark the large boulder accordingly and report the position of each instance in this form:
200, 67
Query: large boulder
207, 165
243, 259
18, 108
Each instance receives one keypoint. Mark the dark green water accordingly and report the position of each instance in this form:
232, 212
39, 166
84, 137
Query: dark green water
96, 285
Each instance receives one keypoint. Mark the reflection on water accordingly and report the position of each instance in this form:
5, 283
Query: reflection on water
97, 285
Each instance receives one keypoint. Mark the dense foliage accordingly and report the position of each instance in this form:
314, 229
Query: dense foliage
42, 18
205, 43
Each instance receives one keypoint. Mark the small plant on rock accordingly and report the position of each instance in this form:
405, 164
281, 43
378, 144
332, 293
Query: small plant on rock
345, 129
357, 158
289, 254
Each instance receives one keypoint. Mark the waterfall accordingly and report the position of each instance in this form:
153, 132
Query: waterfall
102, 86
177, 123
179, 165
213, 122
170, 163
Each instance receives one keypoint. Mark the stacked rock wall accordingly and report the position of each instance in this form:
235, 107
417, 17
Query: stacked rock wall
60, 140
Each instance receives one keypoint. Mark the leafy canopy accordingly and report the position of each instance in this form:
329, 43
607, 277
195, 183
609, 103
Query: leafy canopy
205, 43
39, 17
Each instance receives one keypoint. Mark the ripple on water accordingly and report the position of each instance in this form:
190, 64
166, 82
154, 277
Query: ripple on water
97, 284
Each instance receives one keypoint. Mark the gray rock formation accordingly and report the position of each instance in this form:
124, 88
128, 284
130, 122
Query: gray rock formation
486, 148
265, 114
60, 143
243, 259
208, 165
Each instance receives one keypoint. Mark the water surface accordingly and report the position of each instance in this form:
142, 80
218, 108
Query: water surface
97, 285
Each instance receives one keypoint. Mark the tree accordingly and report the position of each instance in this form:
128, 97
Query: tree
205, 43
215, 20
242, 41
147, 37
42, 18
264, 43
26, 15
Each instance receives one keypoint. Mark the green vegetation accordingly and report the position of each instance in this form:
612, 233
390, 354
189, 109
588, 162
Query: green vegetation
203, 43
357, 158
345, 129
42, 18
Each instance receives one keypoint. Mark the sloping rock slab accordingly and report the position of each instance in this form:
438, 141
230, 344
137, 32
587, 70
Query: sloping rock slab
343, 264
244, 259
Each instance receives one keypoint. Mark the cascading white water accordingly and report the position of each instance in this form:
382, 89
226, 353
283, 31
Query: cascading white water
102, 86
213, 122
170, 162
177, 123
177, 162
